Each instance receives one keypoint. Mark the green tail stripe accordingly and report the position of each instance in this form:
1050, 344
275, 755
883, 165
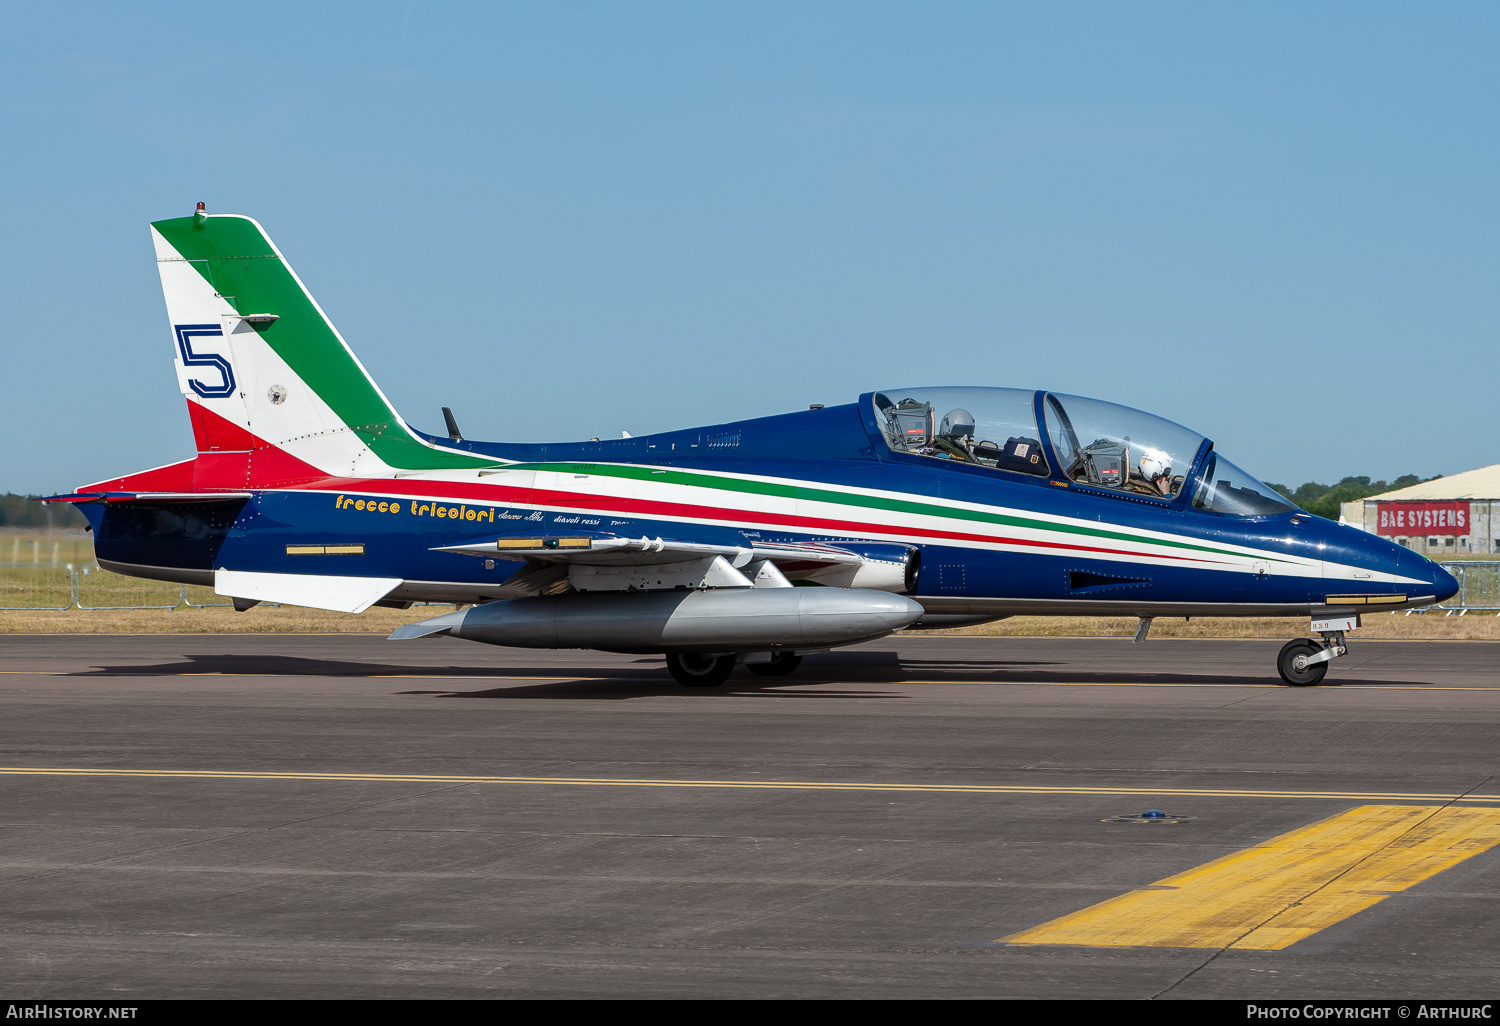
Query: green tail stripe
788, 491
235, 257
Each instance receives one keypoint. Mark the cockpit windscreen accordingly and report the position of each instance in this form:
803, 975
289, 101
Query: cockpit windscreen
1225, 488
986, 427
1110, 446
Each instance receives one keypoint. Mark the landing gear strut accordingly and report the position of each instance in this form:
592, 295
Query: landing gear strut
1303, 662
782, 665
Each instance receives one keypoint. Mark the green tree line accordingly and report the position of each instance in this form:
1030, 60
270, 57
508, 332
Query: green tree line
22, 511
1323, 500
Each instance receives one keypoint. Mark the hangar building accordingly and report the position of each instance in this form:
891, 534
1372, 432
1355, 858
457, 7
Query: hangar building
1453, 516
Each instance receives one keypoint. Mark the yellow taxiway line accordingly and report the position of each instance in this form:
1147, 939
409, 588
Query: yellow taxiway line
750, 785
763, 682
1288, 888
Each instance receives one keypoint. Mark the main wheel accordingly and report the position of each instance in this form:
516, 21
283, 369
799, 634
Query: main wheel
1292, 663
783, 665
699, 671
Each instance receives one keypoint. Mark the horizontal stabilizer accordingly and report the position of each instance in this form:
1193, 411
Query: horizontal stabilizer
149, 497
343, 594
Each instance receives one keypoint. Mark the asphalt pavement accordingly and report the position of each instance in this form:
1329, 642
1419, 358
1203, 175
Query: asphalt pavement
342, 816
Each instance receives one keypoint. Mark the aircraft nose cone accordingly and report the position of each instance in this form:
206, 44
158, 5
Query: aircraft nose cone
1445, 585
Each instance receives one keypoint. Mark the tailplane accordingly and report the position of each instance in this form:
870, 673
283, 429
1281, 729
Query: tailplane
261, 365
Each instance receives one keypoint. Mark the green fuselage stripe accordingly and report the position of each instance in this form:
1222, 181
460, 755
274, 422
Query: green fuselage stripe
798, 491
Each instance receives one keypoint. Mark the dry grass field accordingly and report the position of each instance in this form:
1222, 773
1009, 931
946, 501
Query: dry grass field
26, 545
214, 620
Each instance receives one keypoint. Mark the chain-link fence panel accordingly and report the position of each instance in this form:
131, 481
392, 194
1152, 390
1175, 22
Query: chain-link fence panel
36, 586
102, 589
1478, 585
201, 596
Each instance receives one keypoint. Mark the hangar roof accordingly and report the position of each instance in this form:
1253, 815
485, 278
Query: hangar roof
1483, 483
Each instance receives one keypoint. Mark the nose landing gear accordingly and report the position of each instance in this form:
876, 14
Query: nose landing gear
1303, 662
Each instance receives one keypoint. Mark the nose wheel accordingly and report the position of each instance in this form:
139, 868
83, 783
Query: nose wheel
1304, 662
1294, 667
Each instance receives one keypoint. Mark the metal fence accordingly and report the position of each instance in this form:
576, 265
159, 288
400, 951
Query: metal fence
1478, 588
36, 586
87, 586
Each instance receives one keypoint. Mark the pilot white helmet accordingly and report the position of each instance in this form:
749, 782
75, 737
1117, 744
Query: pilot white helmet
957, 424
1155, 464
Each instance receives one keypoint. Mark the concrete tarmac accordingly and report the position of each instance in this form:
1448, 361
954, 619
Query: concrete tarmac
299, 816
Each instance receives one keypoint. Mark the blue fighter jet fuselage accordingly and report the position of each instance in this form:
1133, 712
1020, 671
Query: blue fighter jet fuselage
756, 541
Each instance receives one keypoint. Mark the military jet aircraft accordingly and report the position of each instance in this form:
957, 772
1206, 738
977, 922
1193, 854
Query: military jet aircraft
752, 542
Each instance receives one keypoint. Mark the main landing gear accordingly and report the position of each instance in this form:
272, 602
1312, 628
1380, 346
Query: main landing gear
783, 664
1303, 662
699, 671
709, 671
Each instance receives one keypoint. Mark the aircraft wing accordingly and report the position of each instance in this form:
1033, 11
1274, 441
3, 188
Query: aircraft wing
596, 562
596, 550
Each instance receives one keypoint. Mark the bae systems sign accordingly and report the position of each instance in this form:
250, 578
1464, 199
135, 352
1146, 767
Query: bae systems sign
1424, 518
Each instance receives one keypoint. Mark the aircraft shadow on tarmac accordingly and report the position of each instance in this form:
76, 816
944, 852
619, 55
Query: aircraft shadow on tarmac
751, 687
613, 680
561, 682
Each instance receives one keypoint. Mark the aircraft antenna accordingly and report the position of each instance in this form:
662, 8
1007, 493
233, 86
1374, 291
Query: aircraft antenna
453, 431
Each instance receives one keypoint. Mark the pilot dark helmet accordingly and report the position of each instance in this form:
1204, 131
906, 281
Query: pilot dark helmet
957, 424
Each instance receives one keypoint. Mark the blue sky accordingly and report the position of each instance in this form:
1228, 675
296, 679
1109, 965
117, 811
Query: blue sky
1275, 223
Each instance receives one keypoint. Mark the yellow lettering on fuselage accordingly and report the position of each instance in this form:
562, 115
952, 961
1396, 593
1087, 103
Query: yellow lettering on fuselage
423, 509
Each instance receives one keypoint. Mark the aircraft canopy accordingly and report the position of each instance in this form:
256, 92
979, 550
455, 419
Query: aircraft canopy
1096, 443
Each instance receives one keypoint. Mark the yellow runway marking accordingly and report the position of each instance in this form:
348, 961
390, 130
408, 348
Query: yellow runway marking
780, 684
1190, 684
1273, 895
751, 785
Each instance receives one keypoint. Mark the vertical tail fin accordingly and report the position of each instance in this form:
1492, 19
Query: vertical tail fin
260, 363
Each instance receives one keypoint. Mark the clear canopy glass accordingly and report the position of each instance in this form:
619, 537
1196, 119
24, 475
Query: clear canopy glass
987, 427
1225, 488
1101, 444
1111, 446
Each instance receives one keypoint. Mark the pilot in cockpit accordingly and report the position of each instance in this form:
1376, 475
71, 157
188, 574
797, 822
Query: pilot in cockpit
1155, 474
955, 436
